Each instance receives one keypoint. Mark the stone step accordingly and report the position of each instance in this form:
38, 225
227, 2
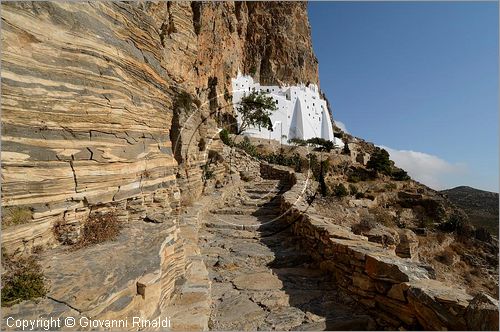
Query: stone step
262, 190
263, 211
266, 195
266, 223
257, 203
190, 309
250, 227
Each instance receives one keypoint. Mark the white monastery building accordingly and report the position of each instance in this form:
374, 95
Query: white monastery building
301, 112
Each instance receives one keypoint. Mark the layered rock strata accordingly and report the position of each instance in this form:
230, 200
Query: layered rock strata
117, 103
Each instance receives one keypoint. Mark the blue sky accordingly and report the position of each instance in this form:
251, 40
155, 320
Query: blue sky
418, 78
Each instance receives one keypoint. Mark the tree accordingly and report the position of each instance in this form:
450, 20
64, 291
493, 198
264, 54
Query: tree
255, 111
321, 143
380, 162
400, 175
346, 149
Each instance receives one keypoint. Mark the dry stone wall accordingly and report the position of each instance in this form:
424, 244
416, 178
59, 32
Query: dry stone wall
398, 290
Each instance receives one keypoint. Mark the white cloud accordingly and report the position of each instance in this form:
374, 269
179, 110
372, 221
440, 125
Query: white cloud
428, 169
341, 125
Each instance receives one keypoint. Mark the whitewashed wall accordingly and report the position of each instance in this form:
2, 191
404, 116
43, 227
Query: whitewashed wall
301, 111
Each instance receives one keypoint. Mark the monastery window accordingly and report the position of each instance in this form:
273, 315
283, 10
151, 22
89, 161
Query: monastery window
267, 90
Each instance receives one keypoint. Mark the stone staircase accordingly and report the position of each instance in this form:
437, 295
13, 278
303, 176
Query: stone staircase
260, 279
252, 256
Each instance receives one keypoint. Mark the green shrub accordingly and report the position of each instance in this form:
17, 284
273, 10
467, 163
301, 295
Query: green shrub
426, 222
380, 162
294, 161
457, 221
207, 173
22, 279
346, 149
353, 178
324, 165
359, 195
224, 137
391, 186
248, 147
353, 189
358, 174
369, 196
399, 174
313, 162
340, 190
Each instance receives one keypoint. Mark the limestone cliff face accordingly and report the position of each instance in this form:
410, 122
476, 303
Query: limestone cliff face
114, 106
278, 44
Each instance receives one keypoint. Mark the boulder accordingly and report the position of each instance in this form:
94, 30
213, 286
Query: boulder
156, 218
247, 176
408, 244
398, 291
393, 269
436, 305
482, 313
362, 202
386, 236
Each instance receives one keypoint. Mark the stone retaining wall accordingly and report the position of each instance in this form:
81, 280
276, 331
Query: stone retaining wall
399, 291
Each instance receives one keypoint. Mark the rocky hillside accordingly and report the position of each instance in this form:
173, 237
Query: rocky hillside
390, 208
96, 99
481, 206
116, 185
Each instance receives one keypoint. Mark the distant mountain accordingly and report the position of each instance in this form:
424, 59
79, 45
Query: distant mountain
481, 206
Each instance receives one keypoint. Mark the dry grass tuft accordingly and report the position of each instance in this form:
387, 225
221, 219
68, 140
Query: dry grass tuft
98, 229
16, 215
383, 217
447, 256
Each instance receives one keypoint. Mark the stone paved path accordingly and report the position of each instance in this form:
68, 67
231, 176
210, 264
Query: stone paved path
260, 279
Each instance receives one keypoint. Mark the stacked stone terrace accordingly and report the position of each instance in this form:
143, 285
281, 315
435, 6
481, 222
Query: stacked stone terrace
398, 290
